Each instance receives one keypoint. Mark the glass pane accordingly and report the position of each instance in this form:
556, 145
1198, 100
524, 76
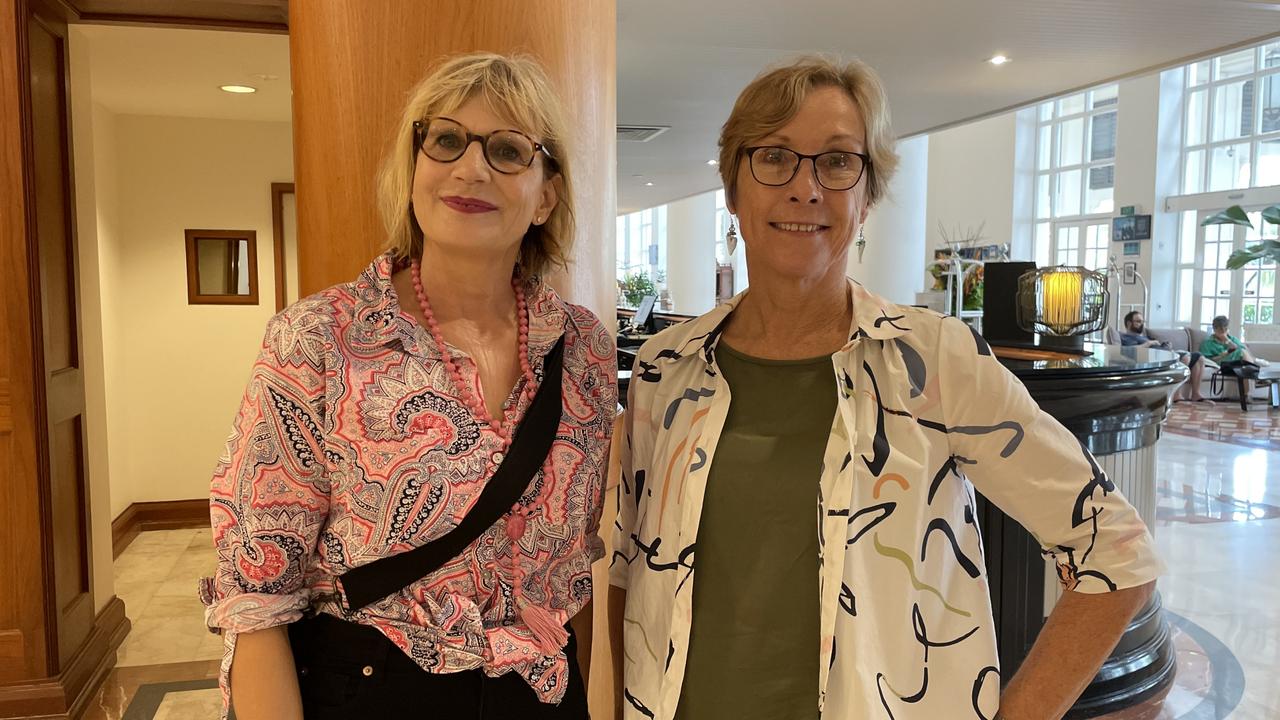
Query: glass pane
1042, 244
1071, 142
1229, 167
1104, 96
1271, 55
1268, 313
1045, 148
1099, 196
1102, 137
1186, 285
1208, 283
1232, 110
1224, 252
1251, 234
1250, 283
1237, 63
1196, 105
1071, 105
1067, 201
1250, 314
1046, 111
1270, 120
1267, 285
1042, 197
1207, 307
1193, 172
1198, 73
1187, 243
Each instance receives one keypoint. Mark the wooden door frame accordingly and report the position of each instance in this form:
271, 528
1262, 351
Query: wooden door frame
278, 191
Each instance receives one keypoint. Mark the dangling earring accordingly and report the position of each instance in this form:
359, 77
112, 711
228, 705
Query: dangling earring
862, 244
731, 237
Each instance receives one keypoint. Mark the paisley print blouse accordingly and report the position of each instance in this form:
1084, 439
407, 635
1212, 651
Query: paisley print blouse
925, 413
352, 444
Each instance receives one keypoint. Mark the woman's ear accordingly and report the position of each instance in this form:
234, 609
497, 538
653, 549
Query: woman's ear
552, 188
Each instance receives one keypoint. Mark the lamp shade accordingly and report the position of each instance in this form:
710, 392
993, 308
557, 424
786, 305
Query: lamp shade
1062, 301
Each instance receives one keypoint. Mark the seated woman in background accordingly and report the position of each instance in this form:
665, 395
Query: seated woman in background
1222, 347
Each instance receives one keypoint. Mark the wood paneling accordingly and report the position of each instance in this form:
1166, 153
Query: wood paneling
66, 694
278, 191
353, 62
164, 515
22, 600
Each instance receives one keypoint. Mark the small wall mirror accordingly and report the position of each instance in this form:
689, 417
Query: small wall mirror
222, 267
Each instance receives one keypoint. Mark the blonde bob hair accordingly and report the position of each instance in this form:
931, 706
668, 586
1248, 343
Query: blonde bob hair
775, 96
514, 87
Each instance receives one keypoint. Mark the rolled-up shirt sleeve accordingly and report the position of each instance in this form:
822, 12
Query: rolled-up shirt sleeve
1037, 472
269, 496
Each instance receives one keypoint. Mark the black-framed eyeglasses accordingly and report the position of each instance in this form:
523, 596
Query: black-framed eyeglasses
775, 166
507, 151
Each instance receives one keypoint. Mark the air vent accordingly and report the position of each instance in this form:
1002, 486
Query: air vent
640, 133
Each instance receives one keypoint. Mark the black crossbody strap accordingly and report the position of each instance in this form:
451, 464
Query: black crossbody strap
534, 436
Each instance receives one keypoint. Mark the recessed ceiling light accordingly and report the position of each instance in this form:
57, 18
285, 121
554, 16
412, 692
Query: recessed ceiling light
238, 89
713, 162
648, 184
998, 60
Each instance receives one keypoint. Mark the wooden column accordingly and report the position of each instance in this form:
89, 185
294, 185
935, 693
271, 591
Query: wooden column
54, 648
353, 61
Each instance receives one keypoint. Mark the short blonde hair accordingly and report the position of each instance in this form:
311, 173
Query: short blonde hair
774, 97
515, 87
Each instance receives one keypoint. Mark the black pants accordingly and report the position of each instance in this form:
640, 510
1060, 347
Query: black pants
348, 671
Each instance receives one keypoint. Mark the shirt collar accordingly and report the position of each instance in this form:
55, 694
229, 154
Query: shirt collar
873, 317
379, 320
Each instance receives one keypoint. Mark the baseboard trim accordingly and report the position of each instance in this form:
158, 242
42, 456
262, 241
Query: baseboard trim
68, 694
163, 515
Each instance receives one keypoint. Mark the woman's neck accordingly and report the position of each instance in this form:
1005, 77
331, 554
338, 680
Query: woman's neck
475, 286
786, 318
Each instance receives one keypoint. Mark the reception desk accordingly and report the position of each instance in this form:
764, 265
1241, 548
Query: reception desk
1114, 399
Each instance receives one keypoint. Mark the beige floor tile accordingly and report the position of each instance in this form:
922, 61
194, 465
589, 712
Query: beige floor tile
190, 705
162, 640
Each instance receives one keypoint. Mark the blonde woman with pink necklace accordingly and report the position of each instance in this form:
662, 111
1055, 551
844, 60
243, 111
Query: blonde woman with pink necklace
408, 509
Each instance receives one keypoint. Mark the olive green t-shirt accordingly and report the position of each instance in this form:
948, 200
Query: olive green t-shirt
753, 647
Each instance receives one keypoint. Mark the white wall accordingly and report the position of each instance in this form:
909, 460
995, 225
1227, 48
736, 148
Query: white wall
893, 260
691, 253
1137, 143
177, 371
971, 180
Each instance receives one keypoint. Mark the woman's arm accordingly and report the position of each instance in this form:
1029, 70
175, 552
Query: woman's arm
581, 624
264, 678
1059, 666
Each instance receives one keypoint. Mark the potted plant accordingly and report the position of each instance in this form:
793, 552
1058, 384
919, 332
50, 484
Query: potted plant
635, 286
1265, 250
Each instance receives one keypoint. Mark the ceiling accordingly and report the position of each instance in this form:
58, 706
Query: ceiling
682, 63
167, 71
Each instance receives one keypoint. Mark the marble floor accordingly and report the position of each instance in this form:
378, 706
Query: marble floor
1218, 528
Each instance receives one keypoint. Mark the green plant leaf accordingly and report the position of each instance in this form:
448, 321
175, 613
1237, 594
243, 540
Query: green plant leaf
1271, 215
1267, 249
1234, 215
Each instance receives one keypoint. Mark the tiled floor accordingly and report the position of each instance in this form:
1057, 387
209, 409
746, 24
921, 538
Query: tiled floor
1218, 529
1224, 421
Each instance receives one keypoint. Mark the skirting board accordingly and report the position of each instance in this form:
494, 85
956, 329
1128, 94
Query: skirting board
164, 515
67, 695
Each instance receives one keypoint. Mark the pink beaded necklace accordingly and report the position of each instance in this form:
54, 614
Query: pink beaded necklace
549, 635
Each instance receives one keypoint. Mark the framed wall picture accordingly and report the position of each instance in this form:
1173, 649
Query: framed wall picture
1130, 273
1141, 227
1133, 248
222, 267
1123, 229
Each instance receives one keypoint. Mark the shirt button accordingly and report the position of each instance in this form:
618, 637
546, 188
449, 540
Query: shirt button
367, 671
498, 457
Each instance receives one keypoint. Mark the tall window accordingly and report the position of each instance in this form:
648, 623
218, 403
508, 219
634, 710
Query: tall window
1076, 177
642, 244
1231, 136
1231, 141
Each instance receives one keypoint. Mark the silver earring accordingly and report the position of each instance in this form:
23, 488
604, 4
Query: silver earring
862, 244
731, 237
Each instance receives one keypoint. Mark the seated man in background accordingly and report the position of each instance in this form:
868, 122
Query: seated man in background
1135, 334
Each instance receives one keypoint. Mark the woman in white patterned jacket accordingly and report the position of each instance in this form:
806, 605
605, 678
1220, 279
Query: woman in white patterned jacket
809, 546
